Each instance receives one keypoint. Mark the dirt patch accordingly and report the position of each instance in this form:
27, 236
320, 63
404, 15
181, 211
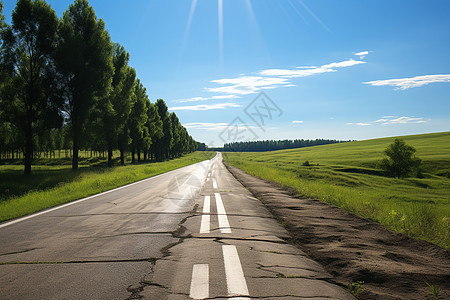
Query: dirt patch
392, 265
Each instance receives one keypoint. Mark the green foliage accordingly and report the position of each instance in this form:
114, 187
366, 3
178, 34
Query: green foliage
84, 60
164, 144
434, 291
27, 53
347, 177
356, 288
400, 161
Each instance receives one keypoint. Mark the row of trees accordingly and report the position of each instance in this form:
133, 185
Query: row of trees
271, 145
63, 79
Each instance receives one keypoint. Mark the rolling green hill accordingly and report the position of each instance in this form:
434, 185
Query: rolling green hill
346, 175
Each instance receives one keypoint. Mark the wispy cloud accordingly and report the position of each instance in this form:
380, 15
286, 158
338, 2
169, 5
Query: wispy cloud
362, 54
206, 106
389, 120
407, 83
217, 126
401, 120
231, 88
297, 122
197, 99
206, 126
309, 71
245, 85
360, 124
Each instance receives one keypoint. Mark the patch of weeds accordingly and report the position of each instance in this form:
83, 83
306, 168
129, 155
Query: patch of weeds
433, 291
356, 288
306, 164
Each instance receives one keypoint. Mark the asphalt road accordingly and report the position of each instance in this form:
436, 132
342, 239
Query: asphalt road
192, 233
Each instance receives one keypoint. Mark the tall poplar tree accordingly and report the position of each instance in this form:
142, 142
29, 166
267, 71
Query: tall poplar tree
28, 46
85, 63
137, 119
164, 143
117, 104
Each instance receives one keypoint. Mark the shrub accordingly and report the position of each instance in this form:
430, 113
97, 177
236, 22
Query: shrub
400, 161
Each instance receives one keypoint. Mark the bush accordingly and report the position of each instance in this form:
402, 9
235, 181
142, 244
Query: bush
400, 161
306, 164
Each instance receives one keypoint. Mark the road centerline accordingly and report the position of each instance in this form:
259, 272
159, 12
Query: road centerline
224, 225
206, 217
236, 283
214, 183
200, 282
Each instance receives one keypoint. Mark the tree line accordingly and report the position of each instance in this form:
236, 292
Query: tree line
272, 145
64, 83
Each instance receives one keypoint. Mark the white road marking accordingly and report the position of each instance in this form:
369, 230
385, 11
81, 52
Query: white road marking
224, 225
234, 273
206, 218
214, 183
200, 282
212, 172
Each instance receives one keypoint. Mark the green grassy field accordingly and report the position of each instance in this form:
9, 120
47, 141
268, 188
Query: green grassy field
51, 185
345, 175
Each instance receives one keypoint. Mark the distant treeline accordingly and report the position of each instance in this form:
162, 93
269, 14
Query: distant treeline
64, 84
272, 145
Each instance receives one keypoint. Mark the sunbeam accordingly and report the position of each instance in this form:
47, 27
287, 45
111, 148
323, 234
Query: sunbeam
315, 17
188, 25
298, 12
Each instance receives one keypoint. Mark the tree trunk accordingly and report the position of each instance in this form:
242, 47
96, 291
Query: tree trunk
28, 148
122, 157
75, 148
110, 154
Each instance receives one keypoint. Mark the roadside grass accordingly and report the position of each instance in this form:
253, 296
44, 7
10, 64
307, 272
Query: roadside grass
345, 175
49, 186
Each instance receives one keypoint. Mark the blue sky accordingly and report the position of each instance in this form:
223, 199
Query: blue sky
346, 69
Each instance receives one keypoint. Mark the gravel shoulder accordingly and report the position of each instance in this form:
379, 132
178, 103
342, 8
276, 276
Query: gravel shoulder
392, 265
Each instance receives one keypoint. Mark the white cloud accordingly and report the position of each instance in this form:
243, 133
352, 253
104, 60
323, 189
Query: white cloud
360, 124
206, 126
407, 83
245, 85
362, 54
206, 106
218, 126
196, 99
389, 120
297, 122
401, 120
309, 71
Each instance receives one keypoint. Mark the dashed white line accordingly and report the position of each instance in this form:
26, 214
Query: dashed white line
206, 218
200, 282
214, 183
233, 270
224, 225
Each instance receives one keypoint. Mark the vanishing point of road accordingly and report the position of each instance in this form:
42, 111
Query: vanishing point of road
192, 233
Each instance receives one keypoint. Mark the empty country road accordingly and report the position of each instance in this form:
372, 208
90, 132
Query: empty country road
192, 233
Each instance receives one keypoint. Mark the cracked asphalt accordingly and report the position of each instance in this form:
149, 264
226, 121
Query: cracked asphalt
142, 241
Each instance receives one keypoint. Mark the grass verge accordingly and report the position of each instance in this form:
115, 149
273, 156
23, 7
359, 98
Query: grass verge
54, 185
345, 175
